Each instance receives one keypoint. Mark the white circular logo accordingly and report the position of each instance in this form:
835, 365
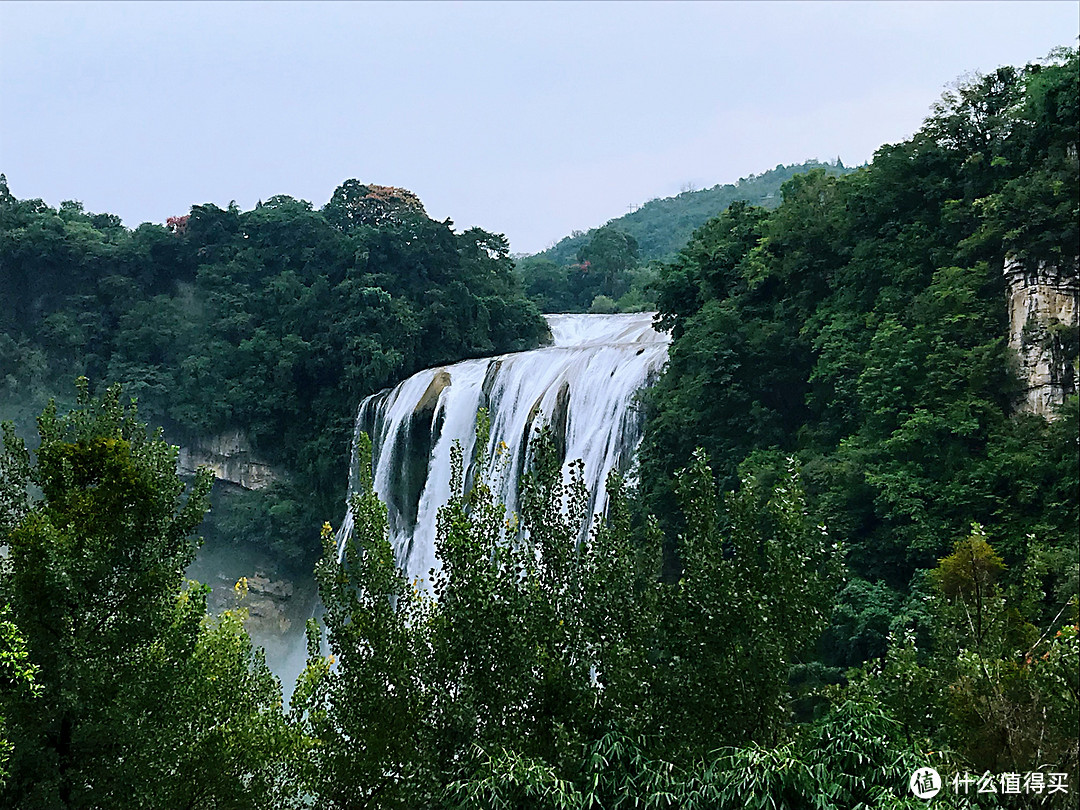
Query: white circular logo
925, 783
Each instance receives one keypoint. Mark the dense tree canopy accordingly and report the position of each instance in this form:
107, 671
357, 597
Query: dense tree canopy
661, 227
538, 651
138, 698
276, 321
566, 277
862, 326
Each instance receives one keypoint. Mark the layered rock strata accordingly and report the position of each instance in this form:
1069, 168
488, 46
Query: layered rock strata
230, 458
1043, 303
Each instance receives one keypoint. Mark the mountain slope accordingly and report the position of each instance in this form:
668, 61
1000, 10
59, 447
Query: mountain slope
662, 226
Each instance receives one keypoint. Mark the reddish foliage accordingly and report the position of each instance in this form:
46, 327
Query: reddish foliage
177, 225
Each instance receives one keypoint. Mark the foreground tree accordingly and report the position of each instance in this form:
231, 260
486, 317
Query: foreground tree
554, 668
995, 683
143, 700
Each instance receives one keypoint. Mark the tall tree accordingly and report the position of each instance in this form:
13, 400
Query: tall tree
143, 700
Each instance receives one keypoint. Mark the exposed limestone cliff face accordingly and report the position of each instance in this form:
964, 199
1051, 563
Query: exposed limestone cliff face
1043, 304
229, 456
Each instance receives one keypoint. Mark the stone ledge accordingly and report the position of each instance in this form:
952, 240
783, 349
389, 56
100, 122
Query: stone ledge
228, 455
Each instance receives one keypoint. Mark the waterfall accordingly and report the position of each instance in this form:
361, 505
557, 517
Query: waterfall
583, 385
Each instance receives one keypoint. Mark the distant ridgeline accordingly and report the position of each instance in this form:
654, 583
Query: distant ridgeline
661, 227
607, 269
251, 335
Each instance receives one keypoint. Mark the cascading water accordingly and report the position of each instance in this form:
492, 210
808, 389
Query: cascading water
583, 385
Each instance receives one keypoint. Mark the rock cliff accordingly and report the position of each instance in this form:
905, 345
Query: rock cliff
230, 457
1043, 303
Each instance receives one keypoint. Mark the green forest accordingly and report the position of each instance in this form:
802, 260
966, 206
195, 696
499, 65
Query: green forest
850, 551
614, 268
276, 320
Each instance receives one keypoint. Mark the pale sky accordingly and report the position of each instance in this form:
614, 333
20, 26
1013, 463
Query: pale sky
525, 119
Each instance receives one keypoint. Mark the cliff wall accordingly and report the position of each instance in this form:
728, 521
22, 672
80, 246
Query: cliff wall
1043, 302
230, 457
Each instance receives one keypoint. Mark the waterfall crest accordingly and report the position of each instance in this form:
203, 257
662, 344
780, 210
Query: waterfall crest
583, 385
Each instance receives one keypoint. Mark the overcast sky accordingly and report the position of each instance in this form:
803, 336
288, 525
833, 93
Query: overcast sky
525, 119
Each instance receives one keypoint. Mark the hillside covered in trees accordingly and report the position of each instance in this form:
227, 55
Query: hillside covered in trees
862, 328
662, 226
852, 550
274, 322
620, 260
